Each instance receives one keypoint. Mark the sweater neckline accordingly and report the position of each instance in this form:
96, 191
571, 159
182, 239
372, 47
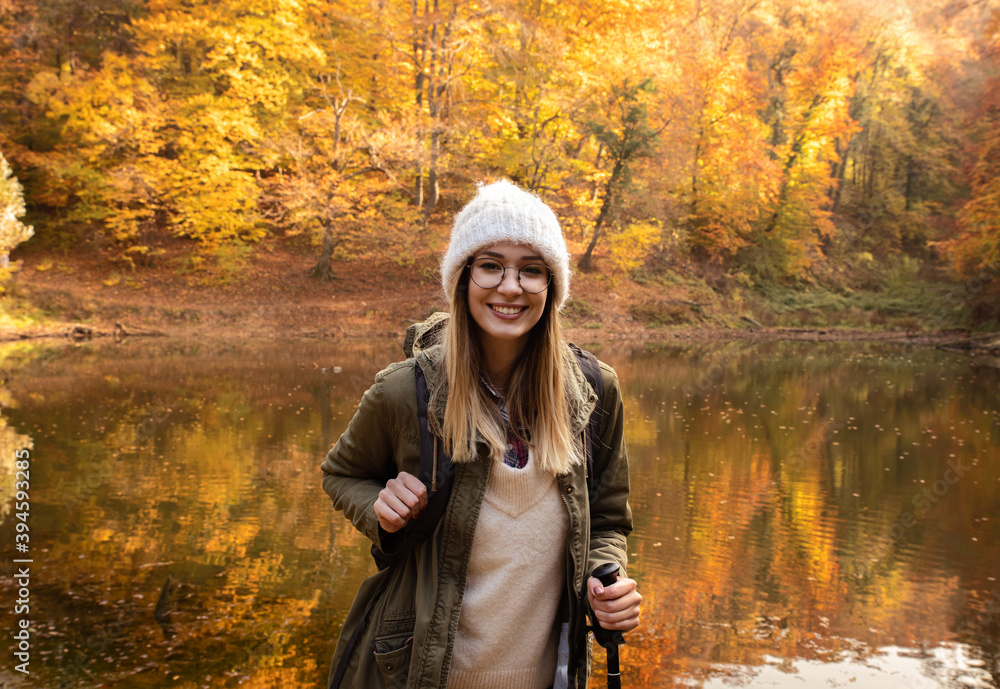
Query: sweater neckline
514, 491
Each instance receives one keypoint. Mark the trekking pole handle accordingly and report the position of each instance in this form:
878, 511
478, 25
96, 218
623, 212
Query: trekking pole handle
607, 574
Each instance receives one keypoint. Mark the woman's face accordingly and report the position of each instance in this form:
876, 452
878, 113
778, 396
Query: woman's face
506, 313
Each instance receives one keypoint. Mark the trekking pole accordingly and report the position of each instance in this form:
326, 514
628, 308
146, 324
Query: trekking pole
607, 574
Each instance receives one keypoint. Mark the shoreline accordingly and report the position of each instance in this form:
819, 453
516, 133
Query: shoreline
77, 332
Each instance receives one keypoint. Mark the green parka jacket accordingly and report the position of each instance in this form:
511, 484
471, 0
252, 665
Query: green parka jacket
409, 635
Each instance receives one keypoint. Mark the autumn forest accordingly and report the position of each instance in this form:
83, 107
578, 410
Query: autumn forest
202, 169
771, 142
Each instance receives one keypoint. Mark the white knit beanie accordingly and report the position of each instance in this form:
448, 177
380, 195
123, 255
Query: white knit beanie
504, 213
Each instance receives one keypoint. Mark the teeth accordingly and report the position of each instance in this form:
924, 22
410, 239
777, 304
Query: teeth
507, 310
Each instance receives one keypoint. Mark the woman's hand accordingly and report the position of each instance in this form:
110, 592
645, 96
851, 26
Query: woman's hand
402, 499
617, 606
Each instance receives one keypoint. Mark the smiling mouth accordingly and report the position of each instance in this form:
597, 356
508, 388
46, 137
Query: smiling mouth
508, 310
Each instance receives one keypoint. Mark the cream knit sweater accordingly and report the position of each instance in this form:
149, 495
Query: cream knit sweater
507, 630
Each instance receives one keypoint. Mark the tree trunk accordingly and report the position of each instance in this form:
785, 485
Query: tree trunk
323, 271
912, 175
838, 187
585, 261
793, 157
694, 174
432, 173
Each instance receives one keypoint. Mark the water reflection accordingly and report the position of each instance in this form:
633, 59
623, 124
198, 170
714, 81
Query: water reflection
804, 512
178, 531
815, 502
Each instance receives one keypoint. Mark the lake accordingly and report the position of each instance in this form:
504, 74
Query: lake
806, 514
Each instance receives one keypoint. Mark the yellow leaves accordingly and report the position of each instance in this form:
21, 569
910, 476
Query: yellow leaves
103, 105
255, 56
12, 230
214, 203
630, 245
122, 126
210, 123
10, 443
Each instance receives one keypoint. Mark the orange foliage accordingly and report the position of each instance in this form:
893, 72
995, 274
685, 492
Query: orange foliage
761, 123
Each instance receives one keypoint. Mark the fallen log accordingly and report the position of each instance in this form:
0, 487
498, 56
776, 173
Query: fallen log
985, 342
803, 331
120, 332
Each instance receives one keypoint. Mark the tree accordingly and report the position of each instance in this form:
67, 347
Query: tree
12, 230
899, 159
974, 249
807, 58
342, 150
730, 168
625, 135
230, 71
169, 140
335, 183
436, 43
530, 92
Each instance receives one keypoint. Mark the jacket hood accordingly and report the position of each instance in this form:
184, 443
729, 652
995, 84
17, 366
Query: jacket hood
424, 342
422, 336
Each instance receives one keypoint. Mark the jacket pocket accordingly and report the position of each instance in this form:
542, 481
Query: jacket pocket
392, 645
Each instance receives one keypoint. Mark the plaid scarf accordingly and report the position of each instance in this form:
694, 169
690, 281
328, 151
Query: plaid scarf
516, 454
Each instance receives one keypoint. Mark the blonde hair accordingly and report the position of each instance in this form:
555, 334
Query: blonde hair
536, 398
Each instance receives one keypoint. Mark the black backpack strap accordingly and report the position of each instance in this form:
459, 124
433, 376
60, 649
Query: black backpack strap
436, 468
591, 369
436, 472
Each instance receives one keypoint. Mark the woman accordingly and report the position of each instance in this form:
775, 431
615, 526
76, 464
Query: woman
497, 594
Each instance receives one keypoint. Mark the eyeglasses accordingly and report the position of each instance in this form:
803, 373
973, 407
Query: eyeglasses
488, 273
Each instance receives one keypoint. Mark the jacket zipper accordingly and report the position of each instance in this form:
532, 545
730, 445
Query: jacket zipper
463, 572
575, 600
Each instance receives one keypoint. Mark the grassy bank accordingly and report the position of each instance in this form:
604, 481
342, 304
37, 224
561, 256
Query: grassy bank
269, 294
